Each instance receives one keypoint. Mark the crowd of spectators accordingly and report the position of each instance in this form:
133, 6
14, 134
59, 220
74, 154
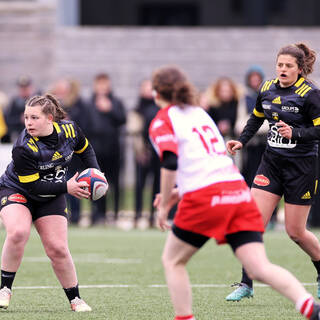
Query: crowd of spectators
107, 122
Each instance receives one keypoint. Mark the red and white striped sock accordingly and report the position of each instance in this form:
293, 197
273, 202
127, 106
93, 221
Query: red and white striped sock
305, 305
189, 317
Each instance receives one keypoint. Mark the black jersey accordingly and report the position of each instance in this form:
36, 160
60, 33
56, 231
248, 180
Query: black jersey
39, 165
298, 106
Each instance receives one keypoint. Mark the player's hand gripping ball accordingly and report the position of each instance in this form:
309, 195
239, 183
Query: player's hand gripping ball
96, 181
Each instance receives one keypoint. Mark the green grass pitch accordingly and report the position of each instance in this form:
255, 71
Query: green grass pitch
121, 277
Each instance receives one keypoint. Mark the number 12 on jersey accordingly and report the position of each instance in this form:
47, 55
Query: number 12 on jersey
210, 140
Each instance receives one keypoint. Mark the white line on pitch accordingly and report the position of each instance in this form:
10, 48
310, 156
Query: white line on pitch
88, 259
101, 286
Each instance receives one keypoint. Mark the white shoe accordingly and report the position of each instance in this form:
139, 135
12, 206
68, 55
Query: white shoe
78, 305
5, 296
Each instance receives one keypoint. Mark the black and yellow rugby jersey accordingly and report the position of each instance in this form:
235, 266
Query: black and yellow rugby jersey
39, 165
298, 106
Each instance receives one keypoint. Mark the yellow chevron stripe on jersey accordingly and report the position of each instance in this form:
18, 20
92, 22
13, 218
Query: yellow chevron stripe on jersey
264, 86
57, 127
84, 148
316, 186
56, 156
32, 145
299, 82
257, 113
29, 178
306, 196
303, 90
268, 84
65, 131
277, 100
316, 121
72, 131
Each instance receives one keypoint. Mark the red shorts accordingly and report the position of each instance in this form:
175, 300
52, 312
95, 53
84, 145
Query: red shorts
219, 209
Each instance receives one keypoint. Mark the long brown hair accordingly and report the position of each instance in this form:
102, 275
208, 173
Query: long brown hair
49, 104
305, 56
171, 83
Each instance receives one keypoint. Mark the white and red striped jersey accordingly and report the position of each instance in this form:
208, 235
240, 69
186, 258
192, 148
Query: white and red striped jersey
192, 135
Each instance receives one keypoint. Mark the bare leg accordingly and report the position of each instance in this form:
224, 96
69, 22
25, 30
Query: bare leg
254, 259
266, 202
17, 221
175, 256
53, 231
296, 220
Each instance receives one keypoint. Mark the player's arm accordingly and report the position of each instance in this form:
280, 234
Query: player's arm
168, 174
312, 106
85, 151
27, 170
254, 123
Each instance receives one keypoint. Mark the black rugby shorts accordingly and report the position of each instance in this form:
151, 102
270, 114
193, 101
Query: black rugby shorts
293, 177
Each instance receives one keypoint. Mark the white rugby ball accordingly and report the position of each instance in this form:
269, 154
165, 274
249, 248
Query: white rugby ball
96, 181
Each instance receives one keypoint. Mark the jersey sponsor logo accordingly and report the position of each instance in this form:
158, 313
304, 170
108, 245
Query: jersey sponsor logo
68, 157
56, 156
277, 100
233, 198
57, 176
306, 196
17, 197
261, 180
46, 166
275, 139
4, 200
266, 106
157, 123
165, 138
290, 109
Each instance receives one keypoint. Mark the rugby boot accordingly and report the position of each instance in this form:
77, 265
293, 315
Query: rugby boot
78, 305
243, 291
5, 296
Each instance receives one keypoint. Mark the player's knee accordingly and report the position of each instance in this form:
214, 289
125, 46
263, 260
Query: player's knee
57, 251
295, 234
18, 236
166, 262
169, 263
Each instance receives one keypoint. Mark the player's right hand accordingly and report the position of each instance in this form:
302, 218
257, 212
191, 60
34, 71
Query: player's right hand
233, 146
77, 189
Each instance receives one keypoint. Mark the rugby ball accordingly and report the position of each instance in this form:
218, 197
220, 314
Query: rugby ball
96, 181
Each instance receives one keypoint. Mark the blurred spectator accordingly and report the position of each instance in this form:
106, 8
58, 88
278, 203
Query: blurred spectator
223, 99
252, 152
254, 149
147, 162
3, 125
68, 93
106, 116
14, 113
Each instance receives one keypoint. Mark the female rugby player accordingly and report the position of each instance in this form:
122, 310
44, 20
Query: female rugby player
216, 202
32, 190
291, 104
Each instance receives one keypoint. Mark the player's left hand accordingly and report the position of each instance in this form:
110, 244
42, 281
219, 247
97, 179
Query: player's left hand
162, 219
284, 129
